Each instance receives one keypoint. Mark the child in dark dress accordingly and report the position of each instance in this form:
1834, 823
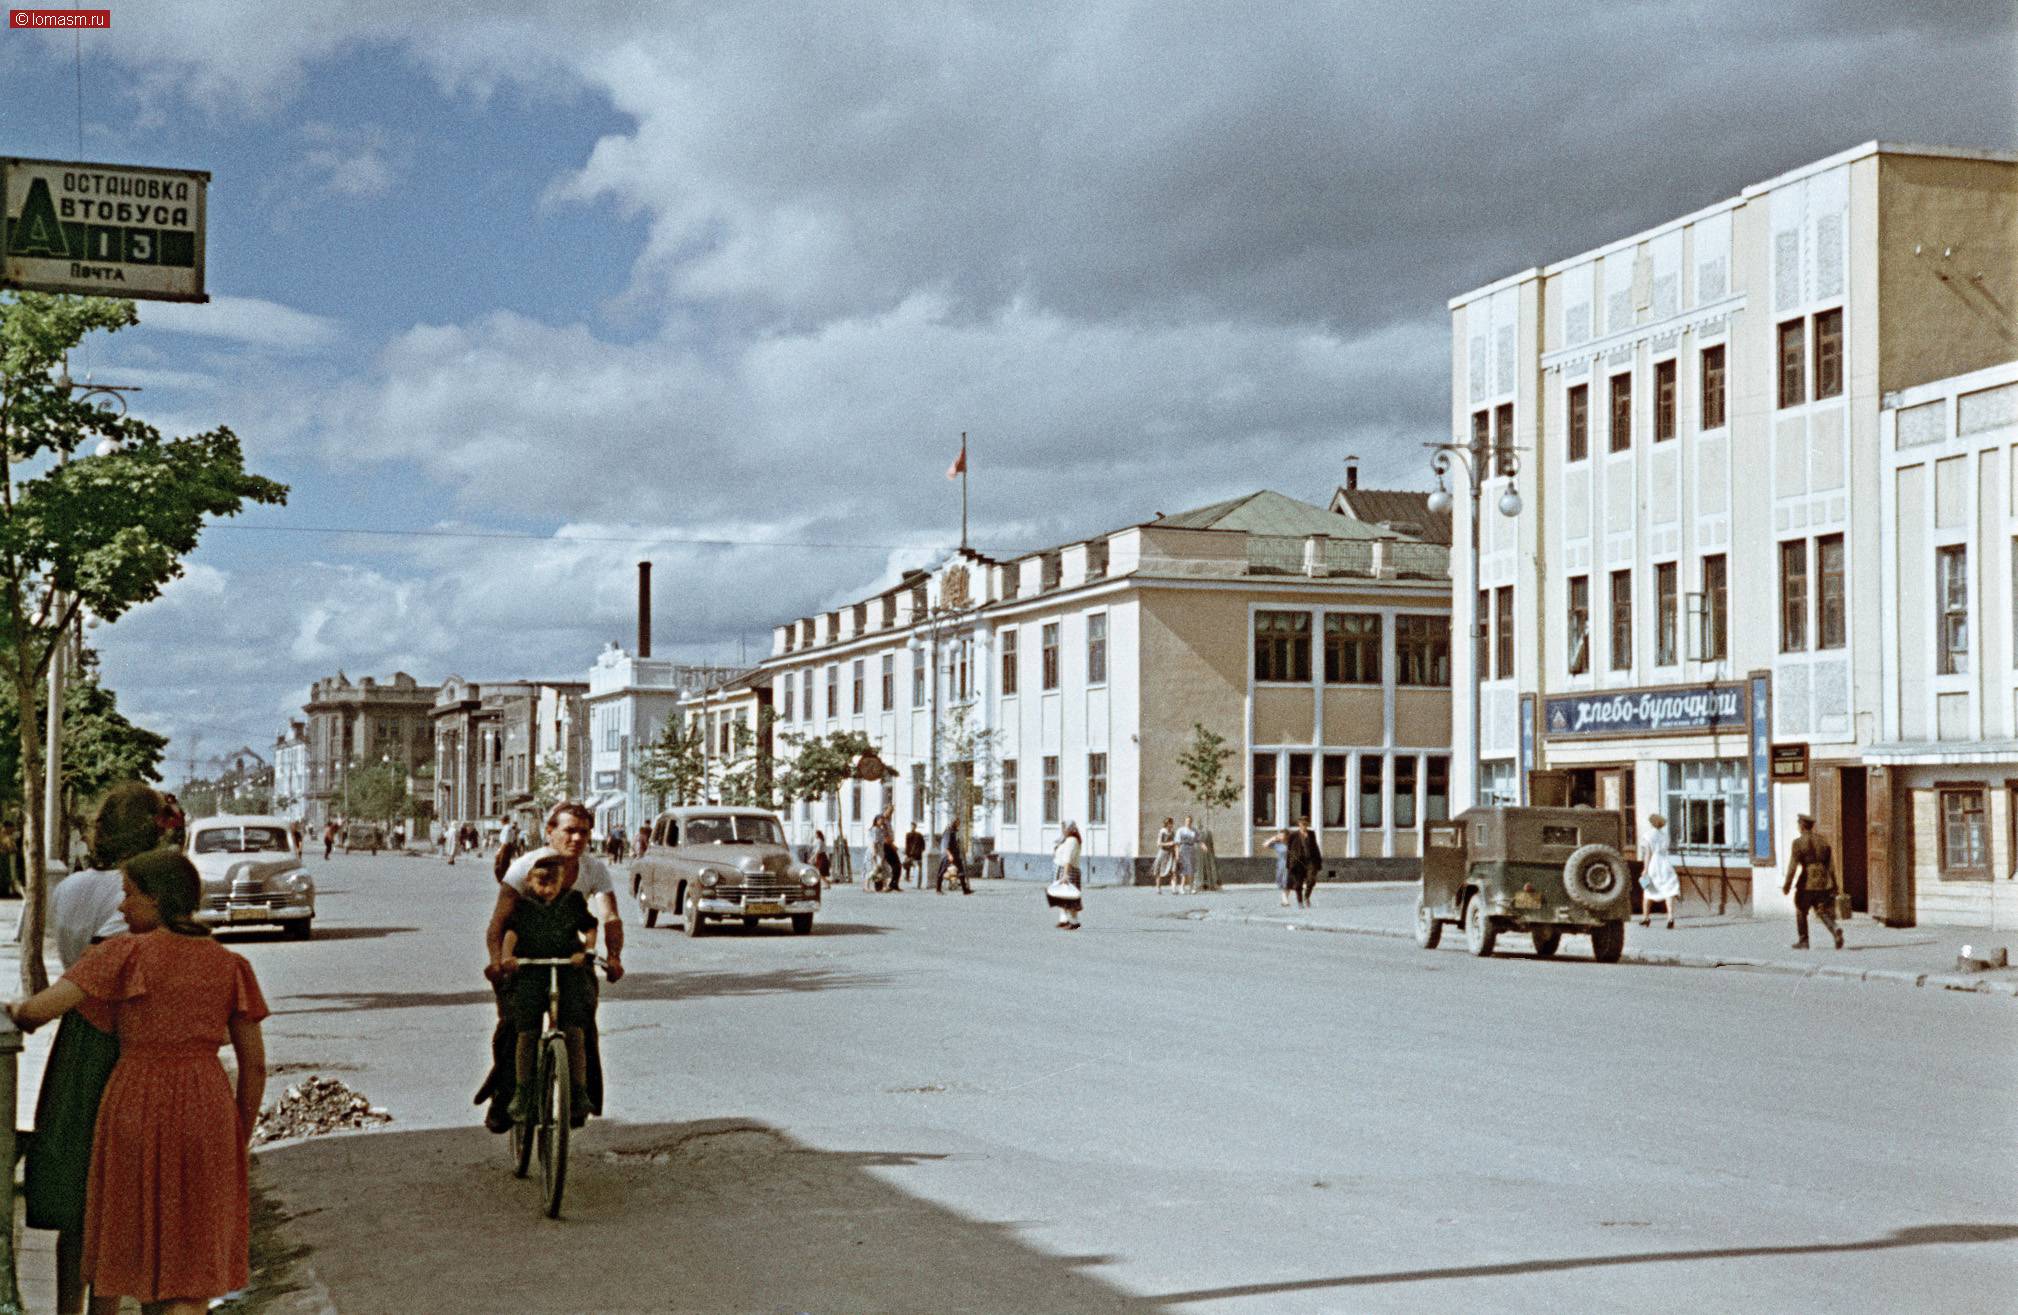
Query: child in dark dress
548, 923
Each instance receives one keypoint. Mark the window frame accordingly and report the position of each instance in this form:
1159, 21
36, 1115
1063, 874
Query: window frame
1790, 363
1299, 800
1372, 772
1711, 398
1008, 770
1096, 789
1832, 616
1274, 649
1407, 772
1621, 644
833, 691
1052, 789
1008, 649
1503, 632
1667, 613
1666, 387
858, 674
918, 673
1792, 564
1951, 866
1334, 773
1049, 637
1951, 614
1264, 785
1619, 435
1717, 606
1096, 648
1828, 347
1578, 438
1362, 645
889, 684
1416, 641
1577, 626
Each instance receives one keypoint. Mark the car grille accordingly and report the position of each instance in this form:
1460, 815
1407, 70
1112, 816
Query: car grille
245, 899
766, 888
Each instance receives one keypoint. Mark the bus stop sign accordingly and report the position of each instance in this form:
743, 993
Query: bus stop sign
109, 230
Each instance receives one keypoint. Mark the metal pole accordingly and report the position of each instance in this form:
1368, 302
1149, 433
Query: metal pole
52, 750
1477, 676
933, 659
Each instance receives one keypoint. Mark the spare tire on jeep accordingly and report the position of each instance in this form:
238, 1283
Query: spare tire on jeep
1596, 876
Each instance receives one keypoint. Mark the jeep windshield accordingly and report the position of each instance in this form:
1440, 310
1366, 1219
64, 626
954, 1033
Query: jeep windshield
732, 830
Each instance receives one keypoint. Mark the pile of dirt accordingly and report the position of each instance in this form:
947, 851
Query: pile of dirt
314, 1106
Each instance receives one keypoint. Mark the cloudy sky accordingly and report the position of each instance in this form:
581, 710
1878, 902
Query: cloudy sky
515, 294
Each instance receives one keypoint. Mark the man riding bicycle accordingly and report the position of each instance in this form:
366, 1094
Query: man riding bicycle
567, 836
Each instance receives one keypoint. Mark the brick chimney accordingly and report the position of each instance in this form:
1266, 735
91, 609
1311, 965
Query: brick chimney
644, 609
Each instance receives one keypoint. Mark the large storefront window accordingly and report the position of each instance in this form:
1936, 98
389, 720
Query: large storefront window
1708, 809
1264, 789
1299, 788
1335, 765
1497, 783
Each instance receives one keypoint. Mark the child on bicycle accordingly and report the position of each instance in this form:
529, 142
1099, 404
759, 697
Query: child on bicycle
548, 923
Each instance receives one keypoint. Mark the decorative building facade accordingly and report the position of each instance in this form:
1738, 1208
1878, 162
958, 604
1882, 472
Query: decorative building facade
628, 703
1726, 558
290, 771
1069, 683
351, 726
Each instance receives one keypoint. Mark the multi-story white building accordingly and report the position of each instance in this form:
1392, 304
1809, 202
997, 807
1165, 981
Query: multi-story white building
1691, 614
290, 771
1315, 645
629, 702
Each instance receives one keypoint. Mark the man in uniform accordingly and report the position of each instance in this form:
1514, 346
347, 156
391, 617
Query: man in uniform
1813, 862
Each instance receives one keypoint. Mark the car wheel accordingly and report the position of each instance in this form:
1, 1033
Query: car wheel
1479, 933
1546, 941
1608, 942
1595, 876
651, 915
693, 912
298, 930
1428, 931
802, 924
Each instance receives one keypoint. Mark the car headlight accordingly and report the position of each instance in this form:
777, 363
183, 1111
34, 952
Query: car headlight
710, 878
301, 883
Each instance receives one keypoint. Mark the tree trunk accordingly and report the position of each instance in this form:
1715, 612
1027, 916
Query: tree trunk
34, 869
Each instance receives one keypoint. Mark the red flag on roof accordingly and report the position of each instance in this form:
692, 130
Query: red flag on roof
959, 466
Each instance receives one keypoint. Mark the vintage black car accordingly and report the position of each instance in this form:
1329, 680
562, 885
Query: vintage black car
723, 864
1544, 871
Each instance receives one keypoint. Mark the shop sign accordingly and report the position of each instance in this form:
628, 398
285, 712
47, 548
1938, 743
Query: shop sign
869, 767
1527, 743
1666, 711
1790, 763
112, 230
606, 780
1760, 734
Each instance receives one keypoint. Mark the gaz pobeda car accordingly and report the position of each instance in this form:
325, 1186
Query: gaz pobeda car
709, 863
251, 875
1544, 871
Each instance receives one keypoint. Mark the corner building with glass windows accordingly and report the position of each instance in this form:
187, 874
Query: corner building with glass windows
1314, 643
1769, 546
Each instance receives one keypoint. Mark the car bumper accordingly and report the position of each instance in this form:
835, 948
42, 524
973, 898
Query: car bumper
726, 906
250, 914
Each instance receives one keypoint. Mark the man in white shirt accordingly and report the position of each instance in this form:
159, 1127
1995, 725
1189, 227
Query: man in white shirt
568, 828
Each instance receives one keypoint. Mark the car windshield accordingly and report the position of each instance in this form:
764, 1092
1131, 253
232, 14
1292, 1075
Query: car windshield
735, 829
241, 840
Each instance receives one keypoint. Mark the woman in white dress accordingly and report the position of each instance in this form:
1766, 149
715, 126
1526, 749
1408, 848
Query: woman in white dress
1658, 877
1166, 856
1063, 894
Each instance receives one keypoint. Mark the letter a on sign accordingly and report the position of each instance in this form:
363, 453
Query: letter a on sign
37, 232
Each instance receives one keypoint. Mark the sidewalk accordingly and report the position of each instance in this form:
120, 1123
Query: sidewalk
1903, 956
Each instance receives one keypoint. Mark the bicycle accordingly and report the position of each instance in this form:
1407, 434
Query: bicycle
546, 1131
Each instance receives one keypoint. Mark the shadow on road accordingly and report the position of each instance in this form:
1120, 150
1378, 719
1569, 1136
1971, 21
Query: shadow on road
713, 1216
1922, 1235
636, 986
768, 927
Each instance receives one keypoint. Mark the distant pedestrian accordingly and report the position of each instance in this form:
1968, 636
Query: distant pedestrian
1278, 844
885, 866
167, 1211
328, 839
1306, 861
1814, 863
952, 860
1208, 860
1659, 881
294, 835
1186, 840
83, 912
823, 862
914, 855
1064, 892
1165, 867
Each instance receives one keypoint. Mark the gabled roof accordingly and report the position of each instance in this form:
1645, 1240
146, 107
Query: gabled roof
1402, 510
1268, 512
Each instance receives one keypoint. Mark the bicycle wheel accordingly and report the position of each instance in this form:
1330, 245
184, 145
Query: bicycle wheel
556, 1090
521, 1147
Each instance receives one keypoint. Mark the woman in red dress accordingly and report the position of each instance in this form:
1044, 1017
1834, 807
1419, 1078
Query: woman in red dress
168, 1210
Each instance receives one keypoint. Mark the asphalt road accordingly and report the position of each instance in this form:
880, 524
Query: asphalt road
940, 1104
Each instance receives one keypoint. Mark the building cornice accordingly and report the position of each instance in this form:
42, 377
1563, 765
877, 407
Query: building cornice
1599, 348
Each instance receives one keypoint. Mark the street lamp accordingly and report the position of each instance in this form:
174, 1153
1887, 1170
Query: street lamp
1479, 460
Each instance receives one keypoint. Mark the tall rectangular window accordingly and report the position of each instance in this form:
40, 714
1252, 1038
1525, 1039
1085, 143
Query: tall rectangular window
854, 801
889, 681
1708, 806
1794, 596
1481, 640
1436, 789
1299, 789
1405, 768
1503, 632
1422, 651
1372, 783
918, 801
806, 695
1578, 637
1503, 439
1716, 608
1282, 646
1622, 621
785, 703
1622, 412
1481, 438
1008, 792
860, 686
1008, 639
834, 691
1793, 366
1951, 594
1332, 801
1096, 789
1050, 655
1831, 622
1096, 649
1579, 423
1829, 353
1712, 385
1351, 648
1051, 790
1263, 790
1664, 401
963, 668
1667, 613
1965, 833
918, 676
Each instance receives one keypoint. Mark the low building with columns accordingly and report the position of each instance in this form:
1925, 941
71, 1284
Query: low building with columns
1317, 646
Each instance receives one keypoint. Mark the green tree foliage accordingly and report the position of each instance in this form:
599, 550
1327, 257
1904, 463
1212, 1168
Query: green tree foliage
1207, 777
820, 764
671, 767
100, 746
550, 781
747, 779
376, 792
970, 771
85, 530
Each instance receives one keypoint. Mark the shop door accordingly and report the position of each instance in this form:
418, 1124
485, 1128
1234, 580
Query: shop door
1854, 829
1615, 792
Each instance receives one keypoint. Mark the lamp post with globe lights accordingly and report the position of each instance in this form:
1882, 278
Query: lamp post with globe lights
1480, 460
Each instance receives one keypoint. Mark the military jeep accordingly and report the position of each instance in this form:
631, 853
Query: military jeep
1544, 871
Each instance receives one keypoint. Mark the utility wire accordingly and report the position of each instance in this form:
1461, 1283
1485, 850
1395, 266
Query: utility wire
527, 537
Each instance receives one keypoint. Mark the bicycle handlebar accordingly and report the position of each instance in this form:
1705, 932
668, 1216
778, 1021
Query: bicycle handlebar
593, 960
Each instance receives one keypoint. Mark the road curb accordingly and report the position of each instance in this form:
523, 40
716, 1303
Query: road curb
1675, 959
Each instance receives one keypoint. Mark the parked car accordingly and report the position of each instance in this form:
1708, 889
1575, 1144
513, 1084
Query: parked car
1549, 872
710, 863
251, 874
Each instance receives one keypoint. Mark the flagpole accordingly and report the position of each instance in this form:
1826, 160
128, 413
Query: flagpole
963, 488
